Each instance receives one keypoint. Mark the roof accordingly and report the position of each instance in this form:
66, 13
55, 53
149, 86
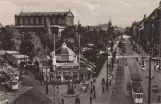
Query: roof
20, 56
135, 77
40, 26
11, 52
136, 86
64, 50
42, 13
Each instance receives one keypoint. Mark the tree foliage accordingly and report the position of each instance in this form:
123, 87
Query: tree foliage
32, 45
12, 38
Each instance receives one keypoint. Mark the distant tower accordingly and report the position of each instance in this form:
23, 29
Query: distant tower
144, 17
160, 4
109, 23
21, 9
69, 5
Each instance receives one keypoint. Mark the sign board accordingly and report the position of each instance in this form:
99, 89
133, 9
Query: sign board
67, 64
54, 60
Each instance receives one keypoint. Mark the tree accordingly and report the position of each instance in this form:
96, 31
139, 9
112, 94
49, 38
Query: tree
31, 45
70, 36
12, 38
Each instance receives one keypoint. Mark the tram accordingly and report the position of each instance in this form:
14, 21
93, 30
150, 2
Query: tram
11, 72
3, 96
11, 82
137, 91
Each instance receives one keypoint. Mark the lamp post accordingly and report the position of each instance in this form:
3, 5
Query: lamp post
150, 78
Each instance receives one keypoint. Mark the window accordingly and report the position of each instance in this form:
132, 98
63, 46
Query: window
51, 21
23, 21
40, 21
138, 95
29, 21
34, 21
18, 21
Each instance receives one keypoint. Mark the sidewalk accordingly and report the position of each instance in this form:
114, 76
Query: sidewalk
101, 98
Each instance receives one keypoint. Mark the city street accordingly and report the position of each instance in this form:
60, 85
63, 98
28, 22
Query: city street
135, 67
80, 52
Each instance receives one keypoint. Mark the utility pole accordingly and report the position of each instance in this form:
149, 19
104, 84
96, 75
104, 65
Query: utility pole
150, 78
46, 26
107, 72
149, 88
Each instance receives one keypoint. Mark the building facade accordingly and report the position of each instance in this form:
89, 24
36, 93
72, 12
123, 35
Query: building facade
38, 18
34, 21
148, 32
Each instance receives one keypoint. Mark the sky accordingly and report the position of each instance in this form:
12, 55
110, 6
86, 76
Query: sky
90, 12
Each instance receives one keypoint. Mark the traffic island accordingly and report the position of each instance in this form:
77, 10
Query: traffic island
70, 91
66, 94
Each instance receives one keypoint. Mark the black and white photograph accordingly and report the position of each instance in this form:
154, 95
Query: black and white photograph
80, 51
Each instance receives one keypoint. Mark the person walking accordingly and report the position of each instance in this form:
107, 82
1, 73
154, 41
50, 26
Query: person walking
159, 98
93, 87
91, 83
94, 94
78, 100
90, 99
62, 101
103, 89
91, 91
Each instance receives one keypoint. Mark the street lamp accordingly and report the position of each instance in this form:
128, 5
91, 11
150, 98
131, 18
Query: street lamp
150, 78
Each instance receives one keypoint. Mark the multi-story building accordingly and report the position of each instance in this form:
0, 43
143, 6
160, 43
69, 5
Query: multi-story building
34, 21
152, 30
148, 32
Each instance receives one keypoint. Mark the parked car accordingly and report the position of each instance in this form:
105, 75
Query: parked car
155, 88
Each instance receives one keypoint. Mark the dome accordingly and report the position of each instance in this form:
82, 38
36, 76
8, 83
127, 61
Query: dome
65, 54
64, 50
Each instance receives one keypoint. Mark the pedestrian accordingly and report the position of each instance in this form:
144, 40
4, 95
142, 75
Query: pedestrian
91, 91
90, 99
94, 80
103, 89
159, 98
93, 87
94, 95
91, 83
76, 100
62, 101
75, 86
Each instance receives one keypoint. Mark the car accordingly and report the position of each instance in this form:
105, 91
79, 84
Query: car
157, 67
155, 88
143, 67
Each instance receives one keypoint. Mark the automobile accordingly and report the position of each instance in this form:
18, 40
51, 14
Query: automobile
143, 67
155, 88
157, 67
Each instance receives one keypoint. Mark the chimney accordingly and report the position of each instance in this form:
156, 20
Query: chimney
160, 4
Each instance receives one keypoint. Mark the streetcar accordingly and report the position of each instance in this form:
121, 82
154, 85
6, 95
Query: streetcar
3, 96
135, 77
137, 91
11, 72
11, 83
14, 72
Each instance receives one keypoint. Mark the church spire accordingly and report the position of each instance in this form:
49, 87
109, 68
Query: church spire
160, 4
144, 17
69, 5
109, 23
